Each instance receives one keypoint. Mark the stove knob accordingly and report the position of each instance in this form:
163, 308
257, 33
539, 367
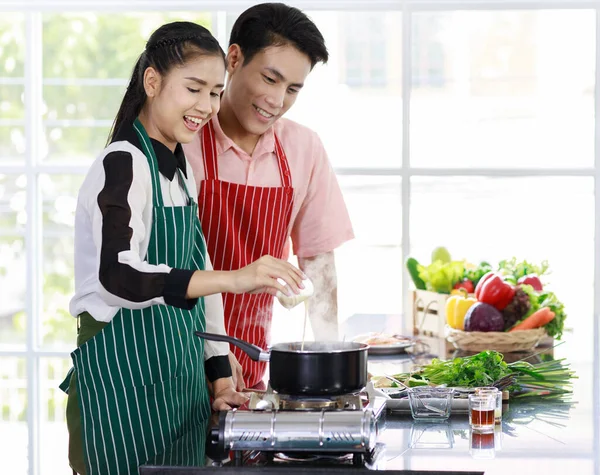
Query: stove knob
215, 442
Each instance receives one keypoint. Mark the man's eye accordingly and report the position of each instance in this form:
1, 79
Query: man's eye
269, 80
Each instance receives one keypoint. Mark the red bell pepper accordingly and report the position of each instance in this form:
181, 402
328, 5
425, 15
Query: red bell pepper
493, 290
465, 284
532, 280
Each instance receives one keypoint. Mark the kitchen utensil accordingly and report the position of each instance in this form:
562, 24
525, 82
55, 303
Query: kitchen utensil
323, 368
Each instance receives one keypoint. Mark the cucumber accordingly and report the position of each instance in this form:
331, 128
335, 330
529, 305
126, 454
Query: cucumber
411, 266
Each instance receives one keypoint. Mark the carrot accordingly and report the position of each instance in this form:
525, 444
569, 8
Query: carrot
537, 319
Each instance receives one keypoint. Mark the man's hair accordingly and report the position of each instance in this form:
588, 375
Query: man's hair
277, 24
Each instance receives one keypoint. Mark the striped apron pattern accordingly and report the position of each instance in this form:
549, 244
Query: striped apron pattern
140, 380
241, 224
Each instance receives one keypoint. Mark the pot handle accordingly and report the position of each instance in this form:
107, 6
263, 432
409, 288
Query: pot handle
254, 352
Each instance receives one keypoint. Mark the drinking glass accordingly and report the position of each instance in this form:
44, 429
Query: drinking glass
481, 412
498, 395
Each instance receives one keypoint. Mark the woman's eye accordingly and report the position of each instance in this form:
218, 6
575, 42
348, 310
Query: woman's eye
215, 94
293, 91
193, 90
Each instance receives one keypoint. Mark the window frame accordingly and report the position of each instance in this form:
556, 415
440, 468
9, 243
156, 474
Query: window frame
32, 167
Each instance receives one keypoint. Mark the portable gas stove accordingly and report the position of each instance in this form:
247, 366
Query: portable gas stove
294, 429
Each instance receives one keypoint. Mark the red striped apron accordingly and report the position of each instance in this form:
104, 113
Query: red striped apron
241, 223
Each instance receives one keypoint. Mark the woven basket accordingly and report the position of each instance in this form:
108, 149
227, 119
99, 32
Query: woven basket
504, 342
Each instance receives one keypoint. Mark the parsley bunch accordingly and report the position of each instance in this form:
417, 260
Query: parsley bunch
482, 369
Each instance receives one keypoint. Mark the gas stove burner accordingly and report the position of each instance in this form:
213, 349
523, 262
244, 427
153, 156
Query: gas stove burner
348, 402
307, 404
270, 400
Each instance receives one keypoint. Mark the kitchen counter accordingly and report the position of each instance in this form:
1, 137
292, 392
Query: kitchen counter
542, 437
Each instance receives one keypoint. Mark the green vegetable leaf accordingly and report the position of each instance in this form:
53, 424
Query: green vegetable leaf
475, 275
441, 276
517, 269
533, 299
556, 326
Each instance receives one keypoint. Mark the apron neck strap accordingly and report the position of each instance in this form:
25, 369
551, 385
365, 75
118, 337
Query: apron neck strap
284, 167
157, 199
209, 151
211, 167
148, 150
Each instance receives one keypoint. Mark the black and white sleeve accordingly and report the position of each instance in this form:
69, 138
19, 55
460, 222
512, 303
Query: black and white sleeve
121, 218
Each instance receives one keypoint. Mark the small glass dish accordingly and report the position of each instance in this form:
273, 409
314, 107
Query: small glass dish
430, 404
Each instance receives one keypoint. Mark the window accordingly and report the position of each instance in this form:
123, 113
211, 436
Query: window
508, 91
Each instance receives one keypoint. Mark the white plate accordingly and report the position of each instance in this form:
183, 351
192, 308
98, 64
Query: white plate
386, 348
390, 349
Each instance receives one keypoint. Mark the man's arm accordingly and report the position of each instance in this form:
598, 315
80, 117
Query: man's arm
322, 306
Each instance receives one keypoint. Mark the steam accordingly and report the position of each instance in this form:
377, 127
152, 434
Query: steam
322, 306
250, 320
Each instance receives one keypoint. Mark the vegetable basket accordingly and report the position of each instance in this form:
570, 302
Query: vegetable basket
504, 342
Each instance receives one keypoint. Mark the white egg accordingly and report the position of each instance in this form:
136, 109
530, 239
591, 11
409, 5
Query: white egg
295, 299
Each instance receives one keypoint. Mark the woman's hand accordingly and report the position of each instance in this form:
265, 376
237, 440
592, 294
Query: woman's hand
263, 274
237, 373
225, 397
260, 276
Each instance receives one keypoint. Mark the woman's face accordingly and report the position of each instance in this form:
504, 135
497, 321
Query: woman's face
181, 102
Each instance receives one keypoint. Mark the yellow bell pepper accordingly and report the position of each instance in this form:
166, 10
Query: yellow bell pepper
456, 309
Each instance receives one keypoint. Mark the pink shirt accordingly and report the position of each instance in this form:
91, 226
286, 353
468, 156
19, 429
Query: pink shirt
320, 220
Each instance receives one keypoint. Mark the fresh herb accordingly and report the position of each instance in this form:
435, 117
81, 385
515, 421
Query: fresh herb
441, 276
549, 379
481, 369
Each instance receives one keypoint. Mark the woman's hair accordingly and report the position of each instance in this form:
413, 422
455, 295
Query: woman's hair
277, 24
171, 45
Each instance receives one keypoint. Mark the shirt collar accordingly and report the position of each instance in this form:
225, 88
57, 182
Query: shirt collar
168, 161
265, 144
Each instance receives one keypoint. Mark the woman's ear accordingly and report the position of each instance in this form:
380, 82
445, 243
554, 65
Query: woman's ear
152, 80
235, 58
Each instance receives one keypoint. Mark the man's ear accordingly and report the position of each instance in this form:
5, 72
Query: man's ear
235, 58
152, 82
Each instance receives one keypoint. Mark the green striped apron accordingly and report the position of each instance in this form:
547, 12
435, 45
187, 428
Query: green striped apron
139, 381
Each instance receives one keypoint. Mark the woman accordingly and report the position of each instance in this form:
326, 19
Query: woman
138, 392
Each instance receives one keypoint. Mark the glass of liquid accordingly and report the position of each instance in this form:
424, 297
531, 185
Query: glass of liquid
498, 395
481, 412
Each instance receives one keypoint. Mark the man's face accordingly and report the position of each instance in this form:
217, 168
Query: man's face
261, 91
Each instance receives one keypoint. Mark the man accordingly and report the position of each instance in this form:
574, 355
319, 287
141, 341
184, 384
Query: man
263, 179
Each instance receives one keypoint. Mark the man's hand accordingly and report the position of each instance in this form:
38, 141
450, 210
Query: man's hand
225, 397
237, 373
